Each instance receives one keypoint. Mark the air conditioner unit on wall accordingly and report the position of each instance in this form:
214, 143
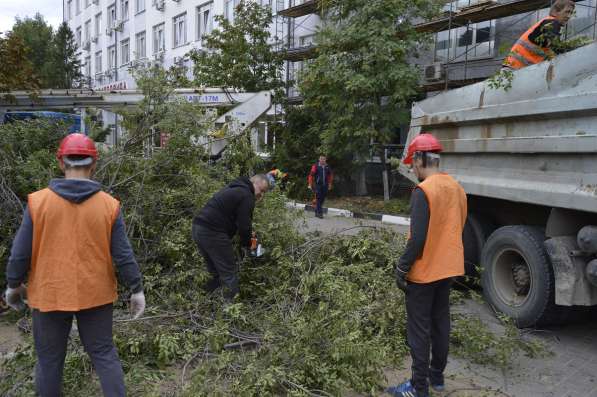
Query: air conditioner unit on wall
109, 31
94, 39
434, 72
86, 45
179, 61
118, 26
159, 5
96, 2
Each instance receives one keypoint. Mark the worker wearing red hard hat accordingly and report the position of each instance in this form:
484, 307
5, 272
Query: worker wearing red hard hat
64, 250
434, 255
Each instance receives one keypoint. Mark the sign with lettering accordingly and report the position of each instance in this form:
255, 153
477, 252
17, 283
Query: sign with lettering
207, 98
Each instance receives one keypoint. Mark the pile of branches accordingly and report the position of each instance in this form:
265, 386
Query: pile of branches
317, 316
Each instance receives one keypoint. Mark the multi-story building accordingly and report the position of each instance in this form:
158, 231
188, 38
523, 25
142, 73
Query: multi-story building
113, 35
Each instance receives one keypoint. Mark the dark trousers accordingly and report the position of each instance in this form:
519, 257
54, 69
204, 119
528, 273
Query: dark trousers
50, 333
320, 191
428, 329
216, 248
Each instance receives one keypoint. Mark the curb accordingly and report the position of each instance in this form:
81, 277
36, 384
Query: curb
387, 219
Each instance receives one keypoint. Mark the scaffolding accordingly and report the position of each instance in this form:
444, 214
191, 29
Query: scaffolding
485, 11
460, 14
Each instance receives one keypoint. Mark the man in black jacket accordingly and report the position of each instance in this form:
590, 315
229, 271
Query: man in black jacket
229, 211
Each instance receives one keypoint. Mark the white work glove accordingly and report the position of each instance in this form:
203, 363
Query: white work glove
15, 297
137, 305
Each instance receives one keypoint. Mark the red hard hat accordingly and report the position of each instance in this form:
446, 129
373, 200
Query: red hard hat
422, 143
77, 145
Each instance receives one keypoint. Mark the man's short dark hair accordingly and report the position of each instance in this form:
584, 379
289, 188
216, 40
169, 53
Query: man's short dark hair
559, 5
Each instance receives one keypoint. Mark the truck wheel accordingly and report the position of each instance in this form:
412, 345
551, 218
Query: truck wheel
517, 276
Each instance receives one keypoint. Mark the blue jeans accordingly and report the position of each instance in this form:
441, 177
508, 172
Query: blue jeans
50, 333
321, 191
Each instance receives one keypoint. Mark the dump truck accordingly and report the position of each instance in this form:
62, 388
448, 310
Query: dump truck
527, 158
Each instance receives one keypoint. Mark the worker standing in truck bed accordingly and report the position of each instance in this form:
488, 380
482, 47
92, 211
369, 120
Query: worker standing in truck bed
538, 44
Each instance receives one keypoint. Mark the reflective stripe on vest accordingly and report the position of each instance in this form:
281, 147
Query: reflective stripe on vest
525, 53
71, 261
443, 254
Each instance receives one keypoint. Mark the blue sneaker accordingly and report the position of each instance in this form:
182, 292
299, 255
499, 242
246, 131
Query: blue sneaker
439, 387
406, 389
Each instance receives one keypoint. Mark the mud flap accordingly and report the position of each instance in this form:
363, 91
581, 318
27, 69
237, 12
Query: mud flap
571, 286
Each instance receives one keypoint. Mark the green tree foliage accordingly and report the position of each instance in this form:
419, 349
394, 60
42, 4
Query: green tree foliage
53, 55
239, 55
297, 148
63, 62
364, 73
38, 37
17, 72
27, 161
316, 316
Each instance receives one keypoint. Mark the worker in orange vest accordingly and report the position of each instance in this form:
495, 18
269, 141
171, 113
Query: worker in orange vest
535, 45
71, 234
434, 255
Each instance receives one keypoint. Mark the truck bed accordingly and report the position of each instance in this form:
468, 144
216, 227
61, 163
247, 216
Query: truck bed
535, 143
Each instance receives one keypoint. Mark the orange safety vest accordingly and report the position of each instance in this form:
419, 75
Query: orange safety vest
71, 261
443, 255
526, 53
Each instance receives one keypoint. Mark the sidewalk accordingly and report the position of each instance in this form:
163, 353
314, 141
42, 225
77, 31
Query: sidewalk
384, 218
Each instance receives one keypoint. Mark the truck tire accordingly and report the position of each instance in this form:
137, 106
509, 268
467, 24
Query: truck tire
517, 277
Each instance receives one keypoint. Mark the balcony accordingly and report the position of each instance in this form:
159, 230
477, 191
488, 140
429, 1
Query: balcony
300, 8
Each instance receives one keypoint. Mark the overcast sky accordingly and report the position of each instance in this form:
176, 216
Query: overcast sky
9, 9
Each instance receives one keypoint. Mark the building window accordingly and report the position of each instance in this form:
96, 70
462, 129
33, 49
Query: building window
87, 66
125, 52
88, 30
159, 40
306, 41
180, 30
69, 9
465, 43
98, 24
78, 36
124, 9
229, 9
112, 57
98, 62
140, 46
78, 6
205, 20
139, 6
111, 15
